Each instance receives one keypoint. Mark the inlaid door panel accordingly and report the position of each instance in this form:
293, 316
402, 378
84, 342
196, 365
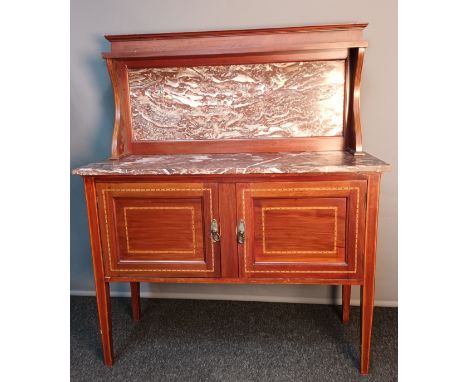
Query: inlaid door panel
159, 229
304, 230
307, 229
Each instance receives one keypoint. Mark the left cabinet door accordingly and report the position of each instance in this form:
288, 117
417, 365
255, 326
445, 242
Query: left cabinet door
158, 229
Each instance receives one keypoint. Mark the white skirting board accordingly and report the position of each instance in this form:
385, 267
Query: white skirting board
297, 300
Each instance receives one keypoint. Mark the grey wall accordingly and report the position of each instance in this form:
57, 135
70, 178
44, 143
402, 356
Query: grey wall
92, 114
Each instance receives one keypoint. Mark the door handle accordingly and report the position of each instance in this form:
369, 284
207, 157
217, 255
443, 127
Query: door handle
241, 232
215, 231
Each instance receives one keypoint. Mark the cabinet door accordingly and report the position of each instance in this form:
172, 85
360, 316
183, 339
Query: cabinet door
158, 229
306, 229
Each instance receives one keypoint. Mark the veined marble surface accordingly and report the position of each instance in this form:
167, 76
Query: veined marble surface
239, 163
295, 99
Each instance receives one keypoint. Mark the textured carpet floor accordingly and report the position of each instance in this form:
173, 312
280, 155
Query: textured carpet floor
194, 340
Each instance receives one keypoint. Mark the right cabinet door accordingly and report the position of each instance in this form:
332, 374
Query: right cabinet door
301, 229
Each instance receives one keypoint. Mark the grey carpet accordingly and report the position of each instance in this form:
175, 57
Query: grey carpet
194, 340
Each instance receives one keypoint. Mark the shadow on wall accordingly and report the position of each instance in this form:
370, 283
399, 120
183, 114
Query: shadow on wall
95, 147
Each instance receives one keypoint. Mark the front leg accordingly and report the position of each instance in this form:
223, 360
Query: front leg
368, 286
102, 287
105, 320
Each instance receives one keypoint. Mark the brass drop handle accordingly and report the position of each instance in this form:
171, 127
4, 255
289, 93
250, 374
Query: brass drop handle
241, 232
215, 231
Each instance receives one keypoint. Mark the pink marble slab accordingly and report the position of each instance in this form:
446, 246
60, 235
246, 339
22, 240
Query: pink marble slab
239, 163
279, 100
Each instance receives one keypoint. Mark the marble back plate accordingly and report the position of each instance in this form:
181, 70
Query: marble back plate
278, 100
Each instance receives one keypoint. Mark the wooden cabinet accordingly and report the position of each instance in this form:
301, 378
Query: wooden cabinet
233, 164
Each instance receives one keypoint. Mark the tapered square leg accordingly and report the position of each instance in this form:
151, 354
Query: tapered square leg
102, 287
368, 286
105, 320
136, 309
345, 303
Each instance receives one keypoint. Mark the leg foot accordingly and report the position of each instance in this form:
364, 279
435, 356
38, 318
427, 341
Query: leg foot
346, 301
136, 310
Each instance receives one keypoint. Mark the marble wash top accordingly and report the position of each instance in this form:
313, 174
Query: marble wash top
238, 163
